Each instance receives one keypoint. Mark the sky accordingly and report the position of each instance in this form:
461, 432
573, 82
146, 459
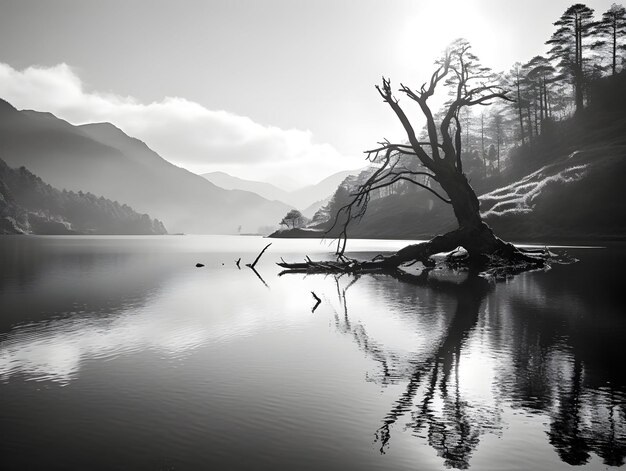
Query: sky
271, 90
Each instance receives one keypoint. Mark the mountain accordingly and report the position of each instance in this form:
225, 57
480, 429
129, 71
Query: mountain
102, 159
29, 205
321, 191
308, 199
229, 182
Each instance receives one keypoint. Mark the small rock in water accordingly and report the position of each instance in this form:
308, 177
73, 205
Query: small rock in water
198, 265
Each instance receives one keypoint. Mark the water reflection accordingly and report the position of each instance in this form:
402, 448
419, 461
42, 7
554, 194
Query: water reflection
425, 372
63, 308
504, 347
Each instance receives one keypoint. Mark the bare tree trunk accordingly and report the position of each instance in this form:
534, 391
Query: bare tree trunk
536, 119
473, 234
530, 123
578, 72
546, 99
579, 91
541, 106
499, 153
482, 141
519, 108
614, 44
464, 200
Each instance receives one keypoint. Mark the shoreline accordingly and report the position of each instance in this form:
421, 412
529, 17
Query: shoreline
531, 240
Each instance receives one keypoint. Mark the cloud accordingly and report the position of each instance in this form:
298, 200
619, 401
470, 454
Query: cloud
182, 131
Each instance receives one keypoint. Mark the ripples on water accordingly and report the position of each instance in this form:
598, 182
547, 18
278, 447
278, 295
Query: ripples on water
118, 353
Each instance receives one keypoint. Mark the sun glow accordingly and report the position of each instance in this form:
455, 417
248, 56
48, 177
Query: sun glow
433, 25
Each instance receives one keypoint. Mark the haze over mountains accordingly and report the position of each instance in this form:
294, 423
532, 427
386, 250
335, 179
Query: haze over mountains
102, 159
308, 199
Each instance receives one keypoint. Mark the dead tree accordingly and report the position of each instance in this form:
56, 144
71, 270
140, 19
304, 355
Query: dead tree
435, 165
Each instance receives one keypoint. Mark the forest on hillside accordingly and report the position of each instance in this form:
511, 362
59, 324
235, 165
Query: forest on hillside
570, 101
29, 205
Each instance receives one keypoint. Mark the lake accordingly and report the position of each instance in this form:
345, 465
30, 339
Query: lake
118, 353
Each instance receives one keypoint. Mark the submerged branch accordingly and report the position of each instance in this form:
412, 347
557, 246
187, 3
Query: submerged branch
317, 301
252, 265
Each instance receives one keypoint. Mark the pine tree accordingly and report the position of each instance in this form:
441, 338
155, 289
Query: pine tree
540, 75
610, 31
567, 43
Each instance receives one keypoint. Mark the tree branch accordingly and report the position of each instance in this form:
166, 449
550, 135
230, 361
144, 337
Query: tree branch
252, 265
399, 178
388, 97
457, 142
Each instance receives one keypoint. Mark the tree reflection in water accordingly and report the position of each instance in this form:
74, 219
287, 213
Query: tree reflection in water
542, 378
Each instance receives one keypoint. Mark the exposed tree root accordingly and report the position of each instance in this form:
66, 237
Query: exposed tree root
483, 251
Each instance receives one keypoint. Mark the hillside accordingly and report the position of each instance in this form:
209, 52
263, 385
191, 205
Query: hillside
29, 205
571, 190
101, 159
577, 197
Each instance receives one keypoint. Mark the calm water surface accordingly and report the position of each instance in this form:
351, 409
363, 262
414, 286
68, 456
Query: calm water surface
117, 353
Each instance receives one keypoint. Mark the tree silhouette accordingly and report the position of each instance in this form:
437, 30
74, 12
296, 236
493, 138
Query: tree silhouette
293, 218
610, 31
567, 46
540, 74
435, 165
514, 78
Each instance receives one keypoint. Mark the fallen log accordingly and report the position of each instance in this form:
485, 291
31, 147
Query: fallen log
498, 260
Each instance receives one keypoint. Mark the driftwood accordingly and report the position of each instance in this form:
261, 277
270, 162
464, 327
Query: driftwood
317, 301
502, 263
252, 265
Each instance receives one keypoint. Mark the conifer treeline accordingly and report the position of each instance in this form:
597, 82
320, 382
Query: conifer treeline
31, 205
547, 88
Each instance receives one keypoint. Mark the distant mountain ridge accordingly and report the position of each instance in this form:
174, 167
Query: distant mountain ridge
29, 205
102, 159
230, 182
307, 199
